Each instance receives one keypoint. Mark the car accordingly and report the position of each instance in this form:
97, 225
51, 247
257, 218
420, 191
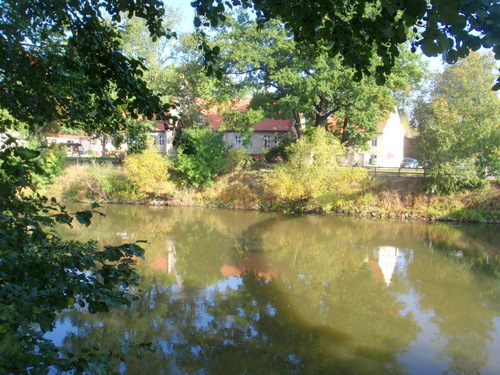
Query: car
409, 163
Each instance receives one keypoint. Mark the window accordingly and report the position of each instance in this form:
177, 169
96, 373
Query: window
161, 139
374, 143
267, 141
276, 141
237, 141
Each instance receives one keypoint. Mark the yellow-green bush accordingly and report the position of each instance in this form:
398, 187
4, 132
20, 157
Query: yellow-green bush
315, 171
238, 159
149, 171
95, 182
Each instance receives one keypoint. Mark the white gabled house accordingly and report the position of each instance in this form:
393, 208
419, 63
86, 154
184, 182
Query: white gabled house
386, 149
164, 138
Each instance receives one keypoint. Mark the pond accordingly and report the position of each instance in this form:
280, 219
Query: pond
227, 292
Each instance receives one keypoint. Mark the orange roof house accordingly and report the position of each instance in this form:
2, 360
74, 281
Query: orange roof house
266, 133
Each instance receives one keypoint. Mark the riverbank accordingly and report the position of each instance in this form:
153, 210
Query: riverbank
384, 197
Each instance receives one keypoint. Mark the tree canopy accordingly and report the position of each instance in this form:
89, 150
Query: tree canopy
63, 62
458, 124
364, 31
317, 90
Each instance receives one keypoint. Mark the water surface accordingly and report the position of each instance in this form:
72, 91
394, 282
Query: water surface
257, 293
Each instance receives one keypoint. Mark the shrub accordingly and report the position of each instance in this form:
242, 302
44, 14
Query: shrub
149, 171
202, 162
449, 177
51, 160
96, 182
314, 171
238, 159
281, 150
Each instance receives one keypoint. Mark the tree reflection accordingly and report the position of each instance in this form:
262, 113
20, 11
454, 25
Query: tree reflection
293, 295
459, 302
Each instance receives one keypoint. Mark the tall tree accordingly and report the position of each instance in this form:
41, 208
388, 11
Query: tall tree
61, 62
459, 123
155, 53
317, 88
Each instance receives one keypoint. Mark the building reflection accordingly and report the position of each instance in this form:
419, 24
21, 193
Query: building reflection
383, 263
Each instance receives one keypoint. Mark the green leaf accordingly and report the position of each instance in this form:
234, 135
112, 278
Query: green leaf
84, 217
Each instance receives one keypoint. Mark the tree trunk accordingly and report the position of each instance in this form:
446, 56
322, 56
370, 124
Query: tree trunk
343, 134
321, 112
104, 140
297, 124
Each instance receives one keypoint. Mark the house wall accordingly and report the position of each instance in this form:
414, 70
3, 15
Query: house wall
387, 150
392, 142
257, 141
89, 146
163, 140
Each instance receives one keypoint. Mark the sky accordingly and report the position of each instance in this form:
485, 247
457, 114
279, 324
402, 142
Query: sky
187, 11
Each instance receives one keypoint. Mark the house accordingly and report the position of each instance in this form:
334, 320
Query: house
76, 145
266, 133
163, 138
83, 145
386, 149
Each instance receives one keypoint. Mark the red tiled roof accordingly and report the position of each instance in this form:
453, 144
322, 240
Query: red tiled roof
382, 125
161, 125
276, 125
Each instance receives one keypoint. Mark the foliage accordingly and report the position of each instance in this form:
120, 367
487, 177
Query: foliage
448, 177
88, 82
187, 83
208, 159
153, 52
149, 171
316, 88
281, 150
361, 30
315, 172
52, 160
42, 275
241, 121
458, 124
238, 159
96, 182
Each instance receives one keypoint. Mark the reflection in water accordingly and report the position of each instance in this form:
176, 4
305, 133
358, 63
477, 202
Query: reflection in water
232, 292
385, 262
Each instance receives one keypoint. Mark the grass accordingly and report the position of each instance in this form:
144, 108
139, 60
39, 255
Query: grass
386, 196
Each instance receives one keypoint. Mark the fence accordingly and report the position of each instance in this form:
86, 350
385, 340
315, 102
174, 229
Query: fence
418, 172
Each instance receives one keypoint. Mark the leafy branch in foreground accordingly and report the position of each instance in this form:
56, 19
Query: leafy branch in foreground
41, 275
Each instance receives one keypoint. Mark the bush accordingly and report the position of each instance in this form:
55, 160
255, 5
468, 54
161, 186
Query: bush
204, 160
238, 159
42, 275
51, 160
314, 171
450, 177
149, 171
96, 182
281, 150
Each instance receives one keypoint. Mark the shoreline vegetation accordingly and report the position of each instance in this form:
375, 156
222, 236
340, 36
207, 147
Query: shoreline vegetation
389, 196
